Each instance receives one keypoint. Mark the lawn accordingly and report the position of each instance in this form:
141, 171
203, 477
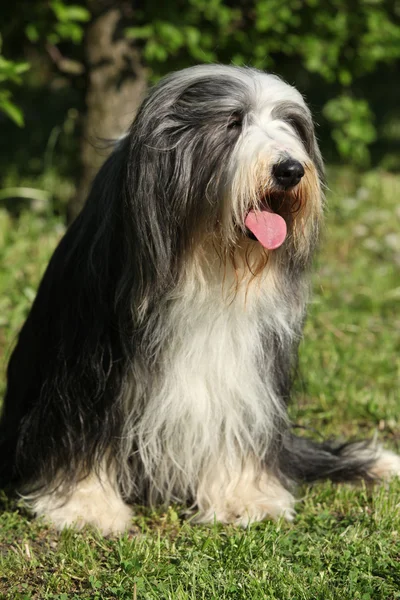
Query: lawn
345, 541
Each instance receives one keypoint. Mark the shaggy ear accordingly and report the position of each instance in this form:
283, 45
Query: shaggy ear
164, 196
148, 222
123, 239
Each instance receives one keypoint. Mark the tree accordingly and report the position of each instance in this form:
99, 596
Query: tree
97, 51
116, 81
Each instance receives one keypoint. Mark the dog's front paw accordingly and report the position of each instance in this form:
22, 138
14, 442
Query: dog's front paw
92, 502
77, 514
245, 504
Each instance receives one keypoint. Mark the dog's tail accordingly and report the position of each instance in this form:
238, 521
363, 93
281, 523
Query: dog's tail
303, 460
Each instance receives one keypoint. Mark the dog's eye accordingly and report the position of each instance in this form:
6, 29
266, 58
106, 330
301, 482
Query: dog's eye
235, 122
302, 129
298, 126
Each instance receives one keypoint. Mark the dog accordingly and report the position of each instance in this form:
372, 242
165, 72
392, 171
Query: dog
157, 361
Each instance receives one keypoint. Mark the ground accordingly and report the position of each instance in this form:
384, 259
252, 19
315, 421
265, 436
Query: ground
345, 541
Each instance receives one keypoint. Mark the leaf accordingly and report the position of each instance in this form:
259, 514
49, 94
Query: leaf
32, 32
139, 33
69, 31
10, 70
59, 9
77, 13
12, 111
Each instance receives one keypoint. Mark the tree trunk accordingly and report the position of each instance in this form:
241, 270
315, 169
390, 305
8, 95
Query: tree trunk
116, 83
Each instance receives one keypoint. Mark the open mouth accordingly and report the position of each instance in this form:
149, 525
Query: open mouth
268, 223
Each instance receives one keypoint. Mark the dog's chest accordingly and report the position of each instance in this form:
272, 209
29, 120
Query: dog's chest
218, 349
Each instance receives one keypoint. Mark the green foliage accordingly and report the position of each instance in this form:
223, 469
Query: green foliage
57, 22
336, 42
330, 49
195, 30
53, 22
353, 128
8, 107
10, 72
331, 45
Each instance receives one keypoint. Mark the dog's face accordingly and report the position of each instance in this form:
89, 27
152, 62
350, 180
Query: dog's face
275, 172
235, 157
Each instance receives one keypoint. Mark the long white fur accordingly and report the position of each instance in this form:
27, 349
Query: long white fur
211, 401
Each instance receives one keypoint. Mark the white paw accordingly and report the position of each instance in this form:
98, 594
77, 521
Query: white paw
246, 502
92, 502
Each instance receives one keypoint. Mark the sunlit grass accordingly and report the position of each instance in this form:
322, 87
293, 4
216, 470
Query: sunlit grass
345, 542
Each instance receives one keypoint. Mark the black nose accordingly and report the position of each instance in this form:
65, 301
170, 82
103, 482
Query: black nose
288, 172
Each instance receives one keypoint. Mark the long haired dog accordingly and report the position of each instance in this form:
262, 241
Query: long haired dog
157, 360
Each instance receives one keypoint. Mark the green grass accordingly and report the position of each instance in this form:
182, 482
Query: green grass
345, 541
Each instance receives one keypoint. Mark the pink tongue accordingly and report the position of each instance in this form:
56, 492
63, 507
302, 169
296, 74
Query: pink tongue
268, 227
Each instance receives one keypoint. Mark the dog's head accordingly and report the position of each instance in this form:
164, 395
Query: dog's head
225, 154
